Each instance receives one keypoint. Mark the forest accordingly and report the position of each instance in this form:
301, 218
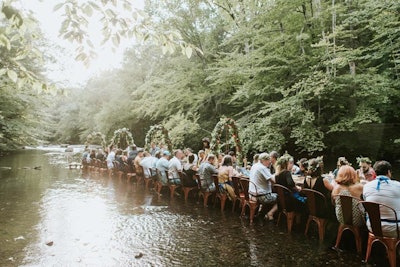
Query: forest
311, 77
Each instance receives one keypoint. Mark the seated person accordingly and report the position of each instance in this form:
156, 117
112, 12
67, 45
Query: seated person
295, 169
120, 157
201, 157
136, 162
100, 155
147, 163
386, 191
314, 180
162, 166
260, 188
283, 177
175, 166
206, 171
225, 174
302, 167
110, 159
365, 173
342, 161
347, 184
190, 169
244, 171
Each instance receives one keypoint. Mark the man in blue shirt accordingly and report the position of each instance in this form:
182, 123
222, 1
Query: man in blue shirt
206, 171
162, 165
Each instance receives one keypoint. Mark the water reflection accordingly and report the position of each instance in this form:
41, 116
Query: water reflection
69, 219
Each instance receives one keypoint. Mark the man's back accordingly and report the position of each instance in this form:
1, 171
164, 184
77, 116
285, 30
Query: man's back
388, 193
259, 176
206, 170
385, 191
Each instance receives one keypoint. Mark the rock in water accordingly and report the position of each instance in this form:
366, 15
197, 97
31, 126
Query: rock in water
19, 238
5, 168
50, 243
138, 256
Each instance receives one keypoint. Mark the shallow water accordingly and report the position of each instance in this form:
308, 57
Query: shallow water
59, 217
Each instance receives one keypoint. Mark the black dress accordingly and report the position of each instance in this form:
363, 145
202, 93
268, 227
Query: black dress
189, 181
285, 178
317, 184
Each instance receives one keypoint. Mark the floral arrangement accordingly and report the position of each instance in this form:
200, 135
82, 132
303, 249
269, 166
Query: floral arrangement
122, 138
315, 163
94, 136
215, 145
363, 159
151, 134
284, 159
342, 161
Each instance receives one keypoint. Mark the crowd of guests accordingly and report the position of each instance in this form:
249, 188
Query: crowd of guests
364, 183
367, 183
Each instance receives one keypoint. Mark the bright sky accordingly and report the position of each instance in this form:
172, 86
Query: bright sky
71, 72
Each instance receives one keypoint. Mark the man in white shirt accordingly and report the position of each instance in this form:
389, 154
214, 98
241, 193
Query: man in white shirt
175, 166
147, 163
162, 165
261, 180
110, 159
385, 191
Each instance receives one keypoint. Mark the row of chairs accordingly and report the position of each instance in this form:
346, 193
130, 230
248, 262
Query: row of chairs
316, 203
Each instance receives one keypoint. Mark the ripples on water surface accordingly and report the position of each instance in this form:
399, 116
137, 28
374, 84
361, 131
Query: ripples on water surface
95, 221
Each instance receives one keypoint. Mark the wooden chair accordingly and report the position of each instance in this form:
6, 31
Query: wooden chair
96, 164
346, 203
85, 164
103, 166
130, 172
118, 169
376, 235
92, 165
253, 205
159, 182
203, 192
239, 195
172, 187
222, 196
316, 203
154, 177
139, 174
186, 189
147, 179
284, 205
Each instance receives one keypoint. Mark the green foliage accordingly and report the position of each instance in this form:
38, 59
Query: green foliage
119, 20
160, 135
122, 138
20, 52
96, 138
230, 126
21, 81
294, 75
183, 128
